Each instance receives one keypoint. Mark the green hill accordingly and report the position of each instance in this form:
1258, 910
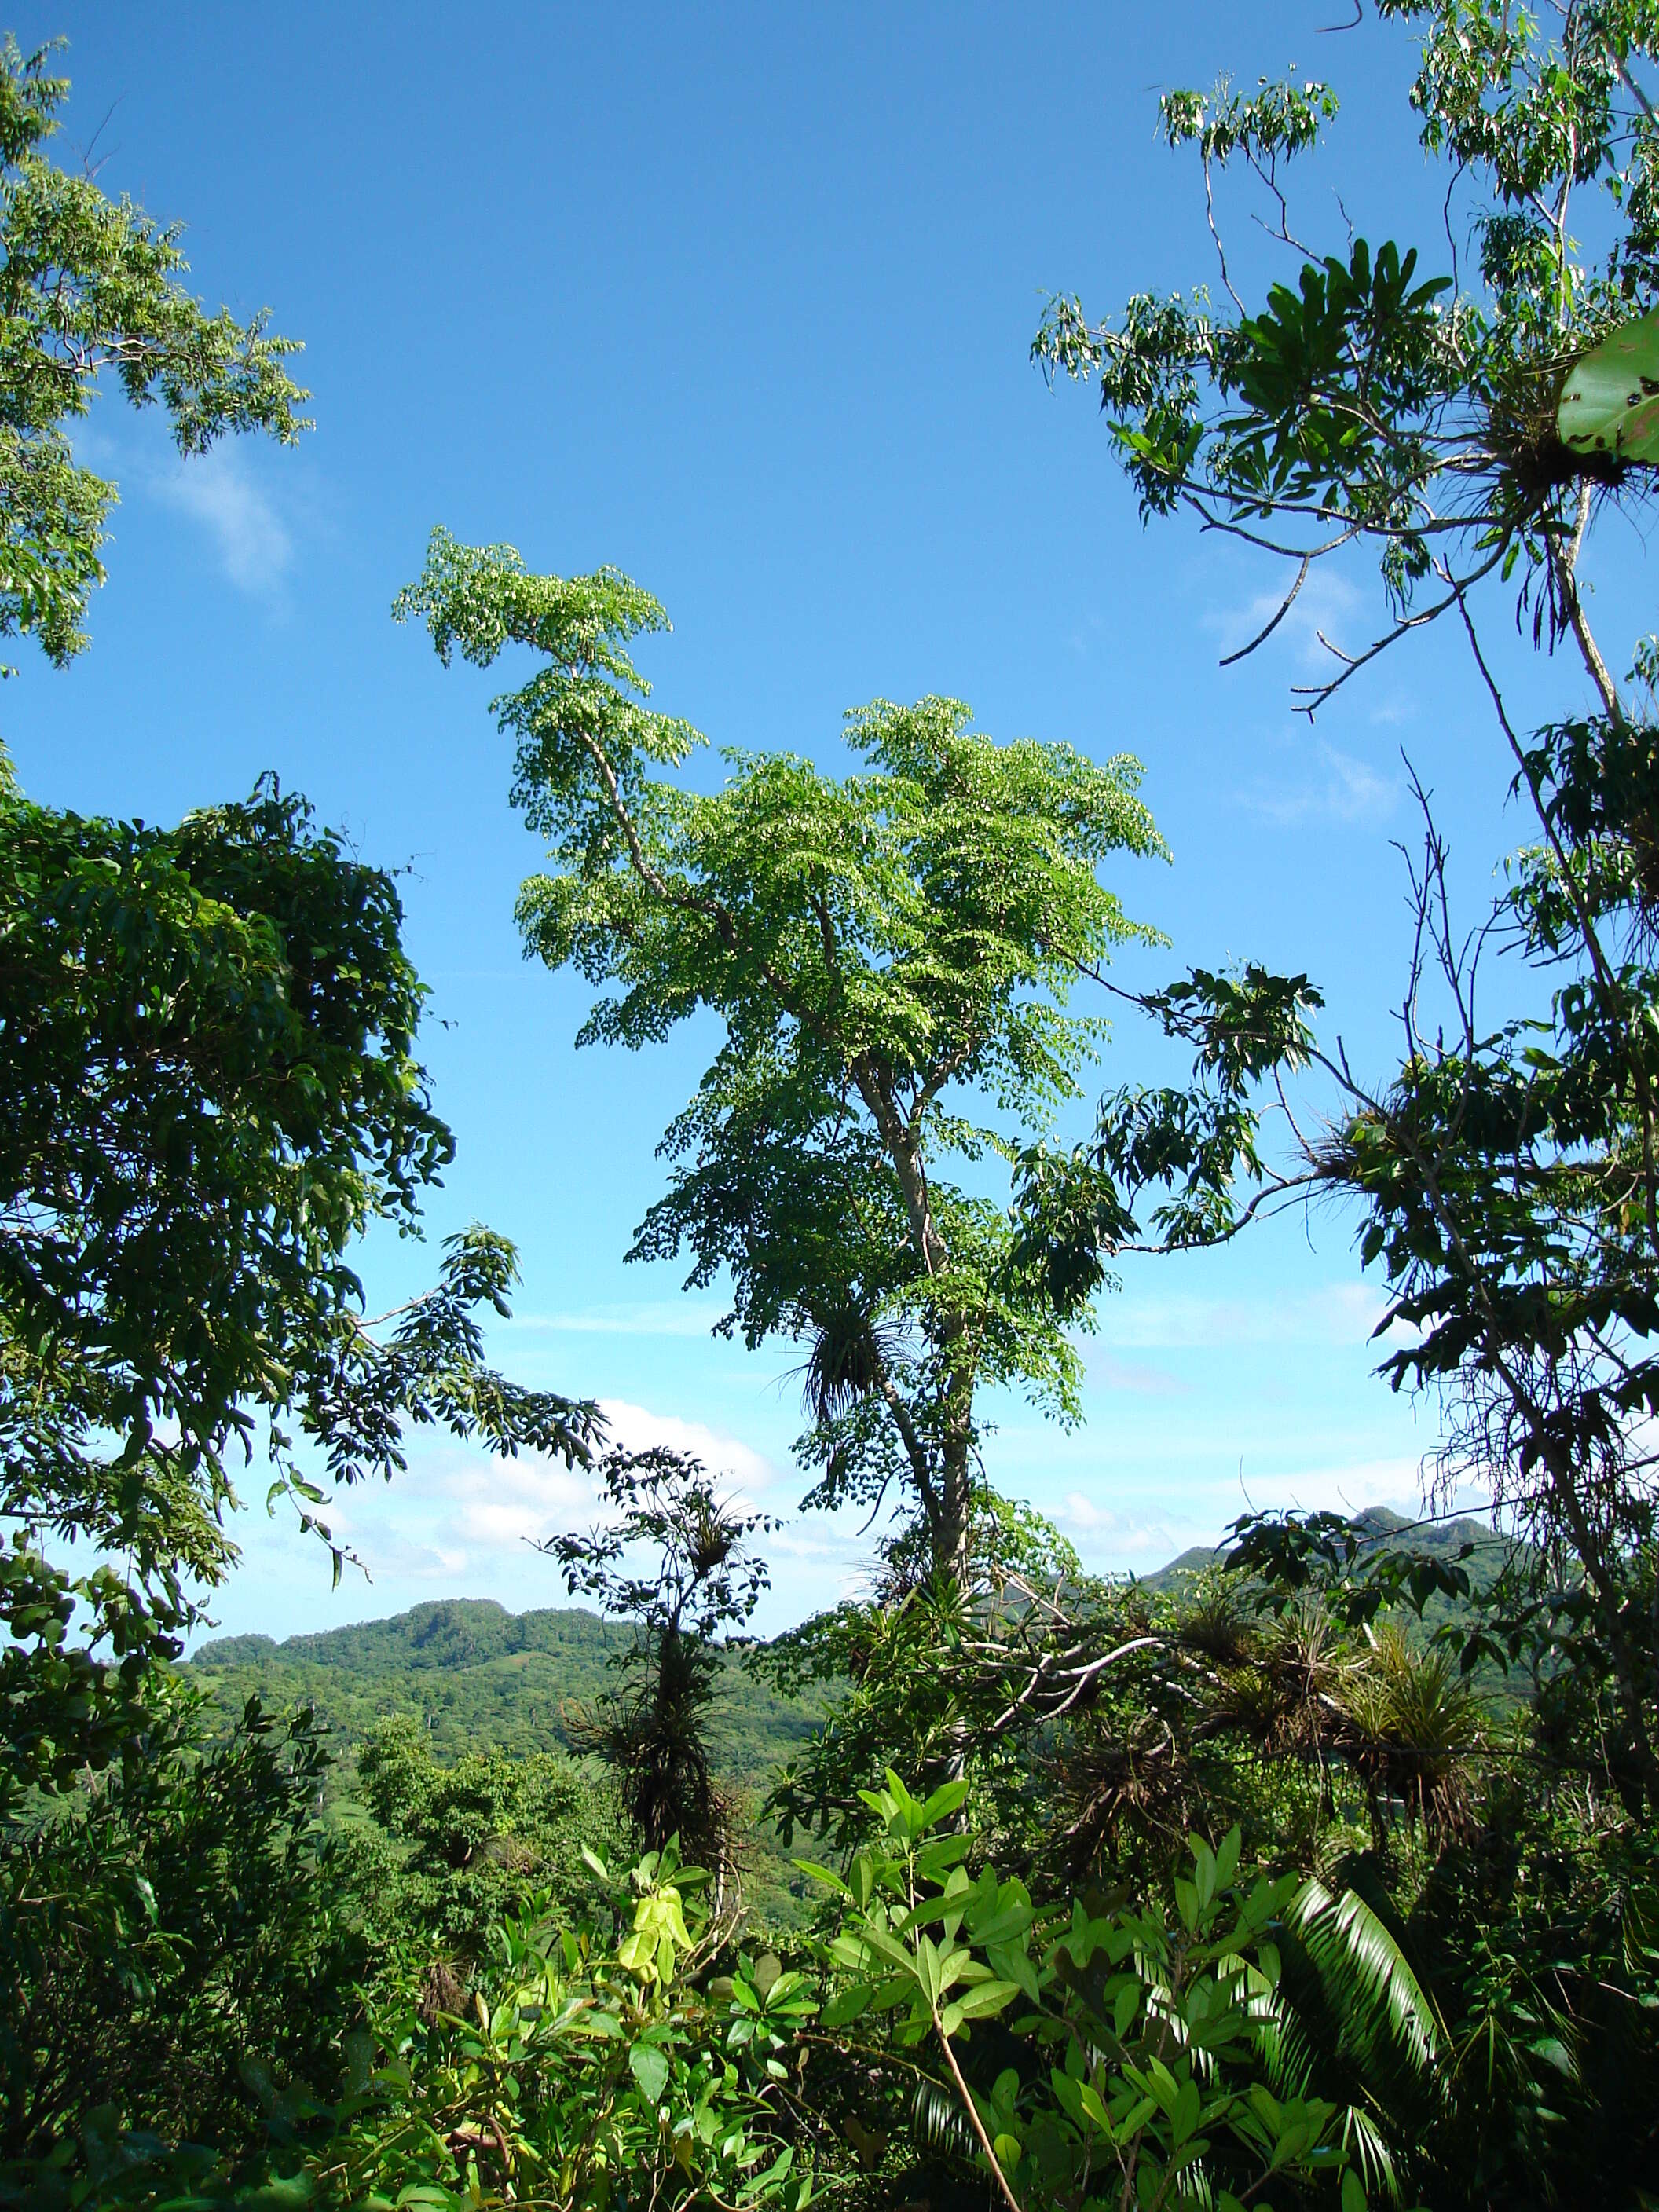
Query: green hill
1440, 1539
474, 1674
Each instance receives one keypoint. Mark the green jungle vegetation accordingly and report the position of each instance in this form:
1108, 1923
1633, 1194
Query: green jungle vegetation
1324, 1871
474, 1679
476, 1682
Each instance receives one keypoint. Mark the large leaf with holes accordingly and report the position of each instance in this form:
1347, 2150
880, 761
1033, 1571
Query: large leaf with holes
1610, 402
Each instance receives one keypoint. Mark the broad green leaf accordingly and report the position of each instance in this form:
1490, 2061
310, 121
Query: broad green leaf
847, 2005
649, 2068
826, 1875
1610, 401
1203, 1871
985, 1999
1226, 1857
1184, 2118
945, 1800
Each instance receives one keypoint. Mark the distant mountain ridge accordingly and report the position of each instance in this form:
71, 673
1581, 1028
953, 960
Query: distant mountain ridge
473, 1673
441, 1632
1441, 1539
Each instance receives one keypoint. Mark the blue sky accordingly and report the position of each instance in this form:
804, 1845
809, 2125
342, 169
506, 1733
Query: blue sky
740, 300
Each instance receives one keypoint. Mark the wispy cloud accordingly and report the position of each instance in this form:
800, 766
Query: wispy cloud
1121, 1535
1331, 786
1337, 1314
1327, 604
219, 490
1114, 1374
1341, 1487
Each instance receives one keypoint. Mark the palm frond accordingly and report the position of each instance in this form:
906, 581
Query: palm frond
937, 2123
1367, 2148
1385, 2022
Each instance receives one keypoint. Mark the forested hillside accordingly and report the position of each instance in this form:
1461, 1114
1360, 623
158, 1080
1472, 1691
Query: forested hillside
473, 1674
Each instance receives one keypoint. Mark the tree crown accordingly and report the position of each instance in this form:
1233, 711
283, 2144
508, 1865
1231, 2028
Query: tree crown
890, 952
89, 285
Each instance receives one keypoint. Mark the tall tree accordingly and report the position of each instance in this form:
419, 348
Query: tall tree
889, 954
209, 1093
1471, 428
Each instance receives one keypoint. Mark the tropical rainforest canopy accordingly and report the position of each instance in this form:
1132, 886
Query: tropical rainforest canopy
1320, 1869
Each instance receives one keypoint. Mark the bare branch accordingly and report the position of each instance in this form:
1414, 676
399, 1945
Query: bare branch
1285, 606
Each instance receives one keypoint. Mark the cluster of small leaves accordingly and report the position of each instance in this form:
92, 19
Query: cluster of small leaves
1365, 399
1197, 1146
473, 1839
209, 1090
933, 1670
1356, 1574
181, 1922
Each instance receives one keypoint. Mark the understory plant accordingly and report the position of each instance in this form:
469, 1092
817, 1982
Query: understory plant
1135, 2055
598, 2062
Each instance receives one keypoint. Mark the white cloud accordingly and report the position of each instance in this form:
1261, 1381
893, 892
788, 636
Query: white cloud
1120, 1537
635, 1428
217, 489
1134, 1532
460, 1519
1349, 1488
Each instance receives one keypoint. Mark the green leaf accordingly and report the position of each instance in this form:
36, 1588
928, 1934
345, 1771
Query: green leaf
649, 2067
1227, 1858
1184, 2117
1610, 401
1204, 1871
943, 1801
826, 1875
985, 1999
847, 2005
